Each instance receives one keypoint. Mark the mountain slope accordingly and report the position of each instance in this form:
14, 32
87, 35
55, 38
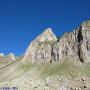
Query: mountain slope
51, 64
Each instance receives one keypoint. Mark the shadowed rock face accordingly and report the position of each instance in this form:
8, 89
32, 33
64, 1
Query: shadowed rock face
47, 48
84, 44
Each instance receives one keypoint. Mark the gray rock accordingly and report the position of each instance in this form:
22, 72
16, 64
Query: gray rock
47, 48
41, 48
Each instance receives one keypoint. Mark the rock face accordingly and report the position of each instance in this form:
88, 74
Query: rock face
47, 48
40, 49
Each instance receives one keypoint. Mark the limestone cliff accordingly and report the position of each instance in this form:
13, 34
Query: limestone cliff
47, 48
40, 49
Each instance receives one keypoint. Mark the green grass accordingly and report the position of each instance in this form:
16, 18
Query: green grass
66, 68
54, 69
85, 69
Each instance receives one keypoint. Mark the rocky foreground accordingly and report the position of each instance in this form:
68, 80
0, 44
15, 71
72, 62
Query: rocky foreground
51, 63
64, 76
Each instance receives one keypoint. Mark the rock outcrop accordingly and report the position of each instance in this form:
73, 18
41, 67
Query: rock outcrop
47, 48
8, 58
40, 49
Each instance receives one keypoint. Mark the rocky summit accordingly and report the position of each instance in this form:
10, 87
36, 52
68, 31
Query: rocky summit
40, 50
48, 48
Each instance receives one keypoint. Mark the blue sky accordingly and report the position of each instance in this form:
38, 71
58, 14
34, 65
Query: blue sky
23, 20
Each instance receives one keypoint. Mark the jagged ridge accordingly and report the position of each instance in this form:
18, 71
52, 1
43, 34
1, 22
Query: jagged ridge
47, 48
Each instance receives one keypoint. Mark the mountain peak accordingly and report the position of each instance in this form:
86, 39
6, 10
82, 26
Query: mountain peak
48, 30
47, 35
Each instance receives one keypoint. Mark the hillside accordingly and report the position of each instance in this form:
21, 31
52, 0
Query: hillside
51, 63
